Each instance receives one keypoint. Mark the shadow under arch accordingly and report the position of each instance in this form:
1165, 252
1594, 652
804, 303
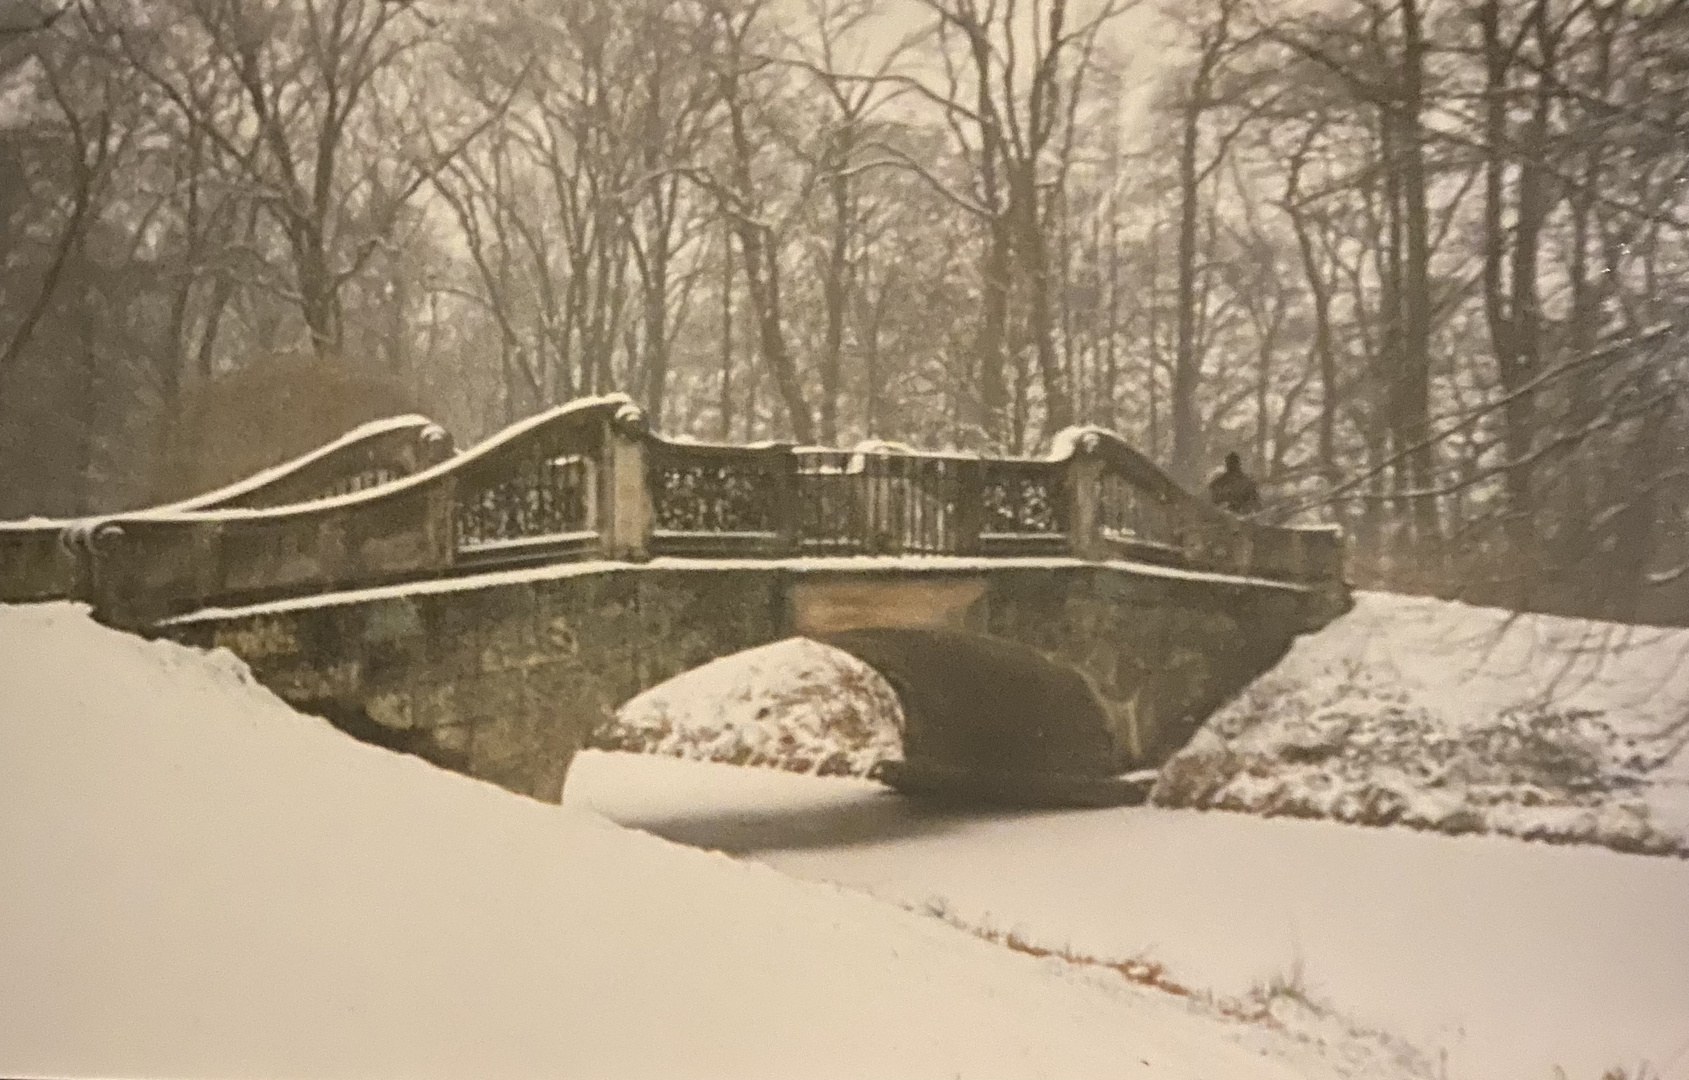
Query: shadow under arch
991, 720
983, 720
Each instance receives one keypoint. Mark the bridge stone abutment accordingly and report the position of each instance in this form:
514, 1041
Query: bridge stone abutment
1161, 651
501, 680
1056, 667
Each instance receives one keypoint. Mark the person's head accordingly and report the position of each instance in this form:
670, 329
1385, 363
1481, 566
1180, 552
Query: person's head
1233, 462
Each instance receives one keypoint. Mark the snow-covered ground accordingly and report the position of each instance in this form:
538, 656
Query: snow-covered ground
1407, 710
199, 882
1512, 959
1445, 716
796, 705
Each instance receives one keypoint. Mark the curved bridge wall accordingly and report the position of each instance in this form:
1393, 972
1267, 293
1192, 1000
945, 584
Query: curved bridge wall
49, 560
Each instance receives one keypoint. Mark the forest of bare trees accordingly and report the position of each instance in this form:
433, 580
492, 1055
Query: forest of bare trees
1423, 263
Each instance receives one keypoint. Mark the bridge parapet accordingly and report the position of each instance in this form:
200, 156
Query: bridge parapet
1133, 510
1093, 497
368, 456
48, 559
533, 491
778, 500
588, 480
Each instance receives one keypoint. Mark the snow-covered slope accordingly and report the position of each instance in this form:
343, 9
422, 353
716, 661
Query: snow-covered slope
1461, 719
796, 705
199, 882
1501, 960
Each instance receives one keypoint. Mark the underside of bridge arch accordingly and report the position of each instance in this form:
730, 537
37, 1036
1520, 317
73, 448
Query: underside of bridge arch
988, 717
977, 717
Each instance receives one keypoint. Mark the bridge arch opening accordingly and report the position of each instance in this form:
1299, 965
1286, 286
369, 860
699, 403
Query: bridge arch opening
934, 712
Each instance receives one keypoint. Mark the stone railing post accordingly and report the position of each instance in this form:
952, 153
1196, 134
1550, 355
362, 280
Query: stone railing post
624, 496
439, 519
970, 505
114, 589
435, 446
1085, 496
788, 525
1321, 557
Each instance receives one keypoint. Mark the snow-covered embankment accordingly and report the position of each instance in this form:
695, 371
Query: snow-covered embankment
1459, 719
200, 882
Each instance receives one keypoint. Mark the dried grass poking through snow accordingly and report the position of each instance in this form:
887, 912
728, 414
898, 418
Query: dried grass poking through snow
1282, 1004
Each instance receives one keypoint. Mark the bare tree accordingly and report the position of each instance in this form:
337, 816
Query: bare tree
279, 88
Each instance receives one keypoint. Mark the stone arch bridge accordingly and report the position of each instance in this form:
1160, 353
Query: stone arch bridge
1047, 623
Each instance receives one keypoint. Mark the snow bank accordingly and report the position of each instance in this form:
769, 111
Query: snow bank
1512, 959
1444, 716
796, 705
200, 882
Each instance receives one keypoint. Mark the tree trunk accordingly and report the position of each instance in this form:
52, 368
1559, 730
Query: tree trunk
1512, 311
1413, 405
1587, 304
833, 296
993, 330
656, 314
319, 299
726, 401
994, 421
69, 240
1035, 266
1152, 361
762, 279
1319, 292
1187, 363
871, 360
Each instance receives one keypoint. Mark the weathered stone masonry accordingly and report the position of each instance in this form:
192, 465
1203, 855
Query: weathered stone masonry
505, 680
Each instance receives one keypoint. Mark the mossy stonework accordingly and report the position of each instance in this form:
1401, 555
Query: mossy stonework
1077, 669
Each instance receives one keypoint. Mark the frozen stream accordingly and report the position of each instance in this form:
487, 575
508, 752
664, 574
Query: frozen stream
1515, 958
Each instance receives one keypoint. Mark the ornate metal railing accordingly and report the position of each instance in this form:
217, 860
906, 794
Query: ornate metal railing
587, 480
536, 491
372, 454
711, 499
361, 481
1094, 497
46, 559
1141, 521
534, 496
1024, 507
884, 501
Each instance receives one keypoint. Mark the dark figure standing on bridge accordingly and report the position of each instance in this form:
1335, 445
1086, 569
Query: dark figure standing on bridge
1232, 489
